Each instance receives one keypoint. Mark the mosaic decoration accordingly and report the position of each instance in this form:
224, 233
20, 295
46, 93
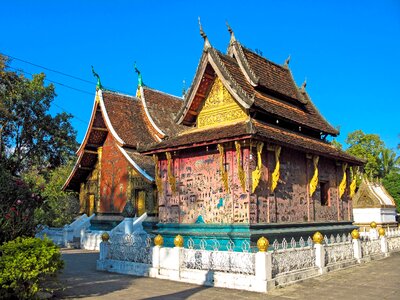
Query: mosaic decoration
314, 179
219, 108
342, 185
276, 172
201, 192
240, 171
256, 174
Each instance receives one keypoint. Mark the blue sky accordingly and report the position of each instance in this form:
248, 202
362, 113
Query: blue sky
347, 50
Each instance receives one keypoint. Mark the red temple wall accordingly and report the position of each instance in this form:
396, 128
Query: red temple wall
200, 190
114, 178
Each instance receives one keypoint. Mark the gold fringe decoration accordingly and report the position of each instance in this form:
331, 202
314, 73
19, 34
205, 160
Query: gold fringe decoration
224, 174
276, 172
353, 182
256, 174
241, 174
171, 177
157, 174
342, 185
314, 179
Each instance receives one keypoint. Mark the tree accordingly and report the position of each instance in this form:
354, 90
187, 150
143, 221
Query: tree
29, 135
17, 205
392, 184
388, 162
59, 207
368, 147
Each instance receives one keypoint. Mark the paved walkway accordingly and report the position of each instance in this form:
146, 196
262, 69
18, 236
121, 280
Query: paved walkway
374, 280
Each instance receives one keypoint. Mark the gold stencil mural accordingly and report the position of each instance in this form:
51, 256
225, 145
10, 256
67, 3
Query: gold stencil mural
219, 108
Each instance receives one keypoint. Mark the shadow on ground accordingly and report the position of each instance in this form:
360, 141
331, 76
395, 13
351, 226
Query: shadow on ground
87, 281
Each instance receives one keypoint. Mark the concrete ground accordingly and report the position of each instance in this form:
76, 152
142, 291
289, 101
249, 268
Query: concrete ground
375, 280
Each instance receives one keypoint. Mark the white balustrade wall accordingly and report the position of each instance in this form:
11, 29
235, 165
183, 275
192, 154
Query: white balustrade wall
248, 270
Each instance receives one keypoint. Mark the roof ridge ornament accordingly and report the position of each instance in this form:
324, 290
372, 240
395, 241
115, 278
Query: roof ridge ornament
98, 84
304, 84
204, 35
287, 61
140, 79
230, 30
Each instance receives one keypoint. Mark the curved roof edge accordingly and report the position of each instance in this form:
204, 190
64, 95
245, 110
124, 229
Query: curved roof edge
135, 165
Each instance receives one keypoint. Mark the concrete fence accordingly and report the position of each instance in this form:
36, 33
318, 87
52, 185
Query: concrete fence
280, 264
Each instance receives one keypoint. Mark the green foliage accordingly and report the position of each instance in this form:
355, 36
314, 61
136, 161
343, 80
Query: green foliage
392, 184
17, 206
24, 264
337, 144
388, 162
38, 138
368, 147
59, 207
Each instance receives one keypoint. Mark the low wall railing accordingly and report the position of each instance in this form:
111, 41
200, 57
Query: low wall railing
278, 264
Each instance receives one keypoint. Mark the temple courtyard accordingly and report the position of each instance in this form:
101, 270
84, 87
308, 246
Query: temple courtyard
379, 279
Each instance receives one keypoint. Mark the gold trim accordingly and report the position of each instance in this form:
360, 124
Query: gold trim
256, 174
353, 182
343, 183
314, 179
276, 173
171, 177
224, 174
241, 174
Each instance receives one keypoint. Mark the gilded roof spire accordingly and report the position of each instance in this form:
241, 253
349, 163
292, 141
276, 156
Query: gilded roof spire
98, 84
204, 36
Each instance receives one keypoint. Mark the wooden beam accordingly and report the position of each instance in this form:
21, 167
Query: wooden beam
90, 151
100, 128
85, 168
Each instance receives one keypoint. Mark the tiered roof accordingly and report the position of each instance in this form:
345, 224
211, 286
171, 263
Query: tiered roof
132, 121
279, 111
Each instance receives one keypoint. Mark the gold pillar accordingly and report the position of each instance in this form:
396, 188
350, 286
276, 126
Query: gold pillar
99, 157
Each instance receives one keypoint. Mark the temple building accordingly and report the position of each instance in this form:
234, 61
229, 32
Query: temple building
253, 157
109, 171
373, 203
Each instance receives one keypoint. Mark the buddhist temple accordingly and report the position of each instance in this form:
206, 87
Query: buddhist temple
373, 203
109, 171
252, 158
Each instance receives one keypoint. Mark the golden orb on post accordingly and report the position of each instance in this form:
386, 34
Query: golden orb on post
373, 224
178, 241
355, 234
262, 244
318, 238
105, 236
158, 240
381, 231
